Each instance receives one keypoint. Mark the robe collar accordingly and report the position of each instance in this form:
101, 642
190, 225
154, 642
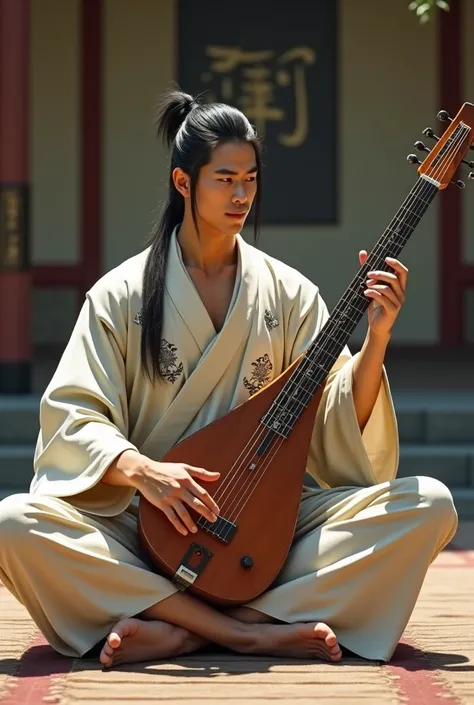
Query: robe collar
218, 350
189, 304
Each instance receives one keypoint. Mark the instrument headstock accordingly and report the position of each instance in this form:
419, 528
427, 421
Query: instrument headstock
444, 159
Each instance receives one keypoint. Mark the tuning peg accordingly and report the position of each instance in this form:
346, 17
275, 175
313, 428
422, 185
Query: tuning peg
444, 116
460, 184
470, 176
470, 164
428, 132
413, 159
421, 146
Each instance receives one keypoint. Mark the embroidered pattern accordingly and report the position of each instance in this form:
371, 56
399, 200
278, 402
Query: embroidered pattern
138, 318
169, 368
270, 321
261, 374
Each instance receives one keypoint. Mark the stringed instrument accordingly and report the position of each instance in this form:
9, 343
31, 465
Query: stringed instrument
261, 447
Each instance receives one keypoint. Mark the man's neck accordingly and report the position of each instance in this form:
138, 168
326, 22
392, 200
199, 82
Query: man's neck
210, 251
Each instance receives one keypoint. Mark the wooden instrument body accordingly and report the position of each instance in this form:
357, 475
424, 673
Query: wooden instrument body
264, 502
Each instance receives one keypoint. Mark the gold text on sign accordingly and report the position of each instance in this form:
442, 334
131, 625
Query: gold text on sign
11, 208
251, 79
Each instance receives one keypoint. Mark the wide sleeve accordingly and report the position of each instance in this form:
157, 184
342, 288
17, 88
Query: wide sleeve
84, 412
340, 455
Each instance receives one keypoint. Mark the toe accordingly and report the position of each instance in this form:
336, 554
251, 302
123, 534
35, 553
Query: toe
330, 640
108, 650
104, 658
322, 631
114, 640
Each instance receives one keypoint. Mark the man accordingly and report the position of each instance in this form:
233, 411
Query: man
165, 343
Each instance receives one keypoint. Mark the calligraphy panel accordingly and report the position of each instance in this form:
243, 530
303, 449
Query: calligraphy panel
276, 61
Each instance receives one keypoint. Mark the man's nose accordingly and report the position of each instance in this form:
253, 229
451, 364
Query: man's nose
239, 194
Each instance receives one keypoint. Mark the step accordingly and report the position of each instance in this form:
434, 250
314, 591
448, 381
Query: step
16, 466
451, 464
464, 503
19, 419
423, 417
435, 417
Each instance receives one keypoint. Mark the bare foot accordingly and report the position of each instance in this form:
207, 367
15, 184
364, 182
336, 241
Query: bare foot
315, 640
133, 640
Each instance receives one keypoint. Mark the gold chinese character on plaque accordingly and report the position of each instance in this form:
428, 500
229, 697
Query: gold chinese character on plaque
250, 80
11, 208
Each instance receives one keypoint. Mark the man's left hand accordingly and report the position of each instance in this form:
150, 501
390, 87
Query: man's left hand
387, 291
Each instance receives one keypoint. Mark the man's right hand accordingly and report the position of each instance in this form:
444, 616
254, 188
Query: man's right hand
171, 486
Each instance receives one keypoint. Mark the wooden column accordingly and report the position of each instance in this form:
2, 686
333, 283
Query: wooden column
91, 147
451, 288
15, 275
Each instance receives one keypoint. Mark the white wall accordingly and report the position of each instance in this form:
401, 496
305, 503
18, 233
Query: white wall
55, 130
55, 175
139, 49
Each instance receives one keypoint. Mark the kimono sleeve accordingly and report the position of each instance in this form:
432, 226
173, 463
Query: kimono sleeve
340, 455
84, 412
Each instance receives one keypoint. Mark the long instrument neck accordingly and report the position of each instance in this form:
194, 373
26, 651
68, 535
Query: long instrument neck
329, 343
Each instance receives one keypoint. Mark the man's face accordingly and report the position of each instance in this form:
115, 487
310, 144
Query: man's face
226, 188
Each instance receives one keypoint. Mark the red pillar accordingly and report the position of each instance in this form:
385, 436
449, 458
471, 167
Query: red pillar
451, 291
15, 275
91, 148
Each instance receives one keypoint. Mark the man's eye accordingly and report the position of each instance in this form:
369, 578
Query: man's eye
226, 179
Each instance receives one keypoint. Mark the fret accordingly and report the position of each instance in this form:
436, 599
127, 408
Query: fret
294, 397
396, 231
306, 386
309, 385
410, 211
350, 308
282, 422
299, 392
423, 200
332, 338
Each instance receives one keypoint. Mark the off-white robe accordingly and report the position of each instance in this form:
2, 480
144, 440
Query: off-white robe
69, 551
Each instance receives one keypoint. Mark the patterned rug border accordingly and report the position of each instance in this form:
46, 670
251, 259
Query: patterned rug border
40, 678
417, 680
36, 674
40, 670
467, 555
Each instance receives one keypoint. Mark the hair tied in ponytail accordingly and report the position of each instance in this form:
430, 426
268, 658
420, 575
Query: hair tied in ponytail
172, 112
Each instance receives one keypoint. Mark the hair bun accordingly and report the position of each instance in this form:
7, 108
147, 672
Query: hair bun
173, 110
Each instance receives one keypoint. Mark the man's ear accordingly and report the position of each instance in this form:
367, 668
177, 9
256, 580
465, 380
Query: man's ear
181, 182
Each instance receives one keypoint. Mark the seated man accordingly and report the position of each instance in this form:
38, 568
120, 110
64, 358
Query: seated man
171, 339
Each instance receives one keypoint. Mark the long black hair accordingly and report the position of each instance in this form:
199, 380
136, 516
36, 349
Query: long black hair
193, 130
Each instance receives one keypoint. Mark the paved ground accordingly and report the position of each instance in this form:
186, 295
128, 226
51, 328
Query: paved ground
434, 664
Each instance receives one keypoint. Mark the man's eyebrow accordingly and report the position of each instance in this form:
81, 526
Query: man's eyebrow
230, 172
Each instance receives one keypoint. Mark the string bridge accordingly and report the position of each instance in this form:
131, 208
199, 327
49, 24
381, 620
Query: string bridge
222, 529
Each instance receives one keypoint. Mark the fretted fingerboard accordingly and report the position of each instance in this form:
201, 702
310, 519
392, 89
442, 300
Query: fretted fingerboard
328, 345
